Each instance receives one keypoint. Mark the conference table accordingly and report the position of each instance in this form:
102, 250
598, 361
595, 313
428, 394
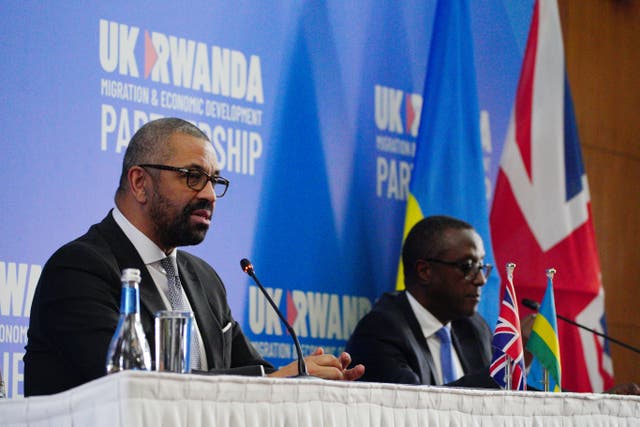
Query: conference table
135, 398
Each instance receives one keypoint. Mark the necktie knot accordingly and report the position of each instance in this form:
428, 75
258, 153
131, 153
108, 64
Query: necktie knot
444, 335
174, 287
167, 264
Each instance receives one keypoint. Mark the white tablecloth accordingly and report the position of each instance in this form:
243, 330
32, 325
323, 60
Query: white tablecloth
153, 399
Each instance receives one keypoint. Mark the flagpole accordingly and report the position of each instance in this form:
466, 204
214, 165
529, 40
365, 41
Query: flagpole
545, 379
507, 373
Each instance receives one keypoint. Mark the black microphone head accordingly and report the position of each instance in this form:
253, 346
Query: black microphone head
246, 266
529, 303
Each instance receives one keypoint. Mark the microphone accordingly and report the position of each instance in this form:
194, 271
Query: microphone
247, 267
529, 303
535, 305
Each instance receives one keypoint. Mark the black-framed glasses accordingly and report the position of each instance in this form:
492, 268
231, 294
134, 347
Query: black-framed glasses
469, 268
196, 178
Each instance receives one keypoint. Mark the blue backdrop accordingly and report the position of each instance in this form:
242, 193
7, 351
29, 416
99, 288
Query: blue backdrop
313, 110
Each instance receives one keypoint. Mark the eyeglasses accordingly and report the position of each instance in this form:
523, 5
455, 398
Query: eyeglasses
197, 179
469, 268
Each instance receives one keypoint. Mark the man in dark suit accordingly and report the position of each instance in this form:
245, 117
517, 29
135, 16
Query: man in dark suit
167, 192
399, 342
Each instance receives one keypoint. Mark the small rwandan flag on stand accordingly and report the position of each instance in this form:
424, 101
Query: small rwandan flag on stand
543, 343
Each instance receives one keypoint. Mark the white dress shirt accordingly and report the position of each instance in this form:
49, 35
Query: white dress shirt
151, 255
429, 325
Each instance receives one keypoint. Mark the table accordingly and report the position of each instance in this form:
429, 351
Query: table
135, 398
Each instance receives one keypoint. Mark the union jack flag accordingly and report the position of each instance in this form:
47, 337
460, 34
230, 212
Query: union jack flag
541, 213
507, 342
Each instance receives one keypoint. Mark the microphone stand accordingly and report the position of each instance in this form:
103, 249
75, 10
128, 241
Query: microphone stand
302, 366
534, 305
600, 334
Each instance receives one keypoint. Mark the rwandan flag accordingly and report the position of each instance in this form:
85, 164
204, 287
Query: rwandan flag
543, 342
448, 175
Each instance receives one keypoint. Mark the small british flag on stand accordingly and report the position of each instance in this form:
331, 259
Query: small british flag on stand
507, 367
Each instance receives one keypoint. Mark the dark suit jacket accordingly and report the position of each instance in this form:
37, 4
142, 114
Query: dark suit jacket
76, 307
389, 342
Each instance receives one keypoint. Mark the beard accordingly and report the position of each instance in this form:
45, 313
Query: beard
173, 225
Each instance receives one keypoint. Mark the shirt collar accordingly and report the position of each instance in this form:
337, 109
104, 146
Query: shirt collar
427, 321
147, 249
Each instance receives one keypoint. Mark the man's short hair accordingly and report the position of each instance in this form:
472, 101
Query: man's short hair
425, 240
148, 144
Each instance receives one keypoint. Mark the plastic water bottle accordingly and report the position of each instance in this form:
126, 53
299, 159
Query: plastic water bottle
129, 348
2, 393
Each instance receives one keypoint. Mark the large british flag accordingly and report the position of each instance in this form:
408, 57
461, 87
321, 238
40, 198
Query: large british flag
541, 214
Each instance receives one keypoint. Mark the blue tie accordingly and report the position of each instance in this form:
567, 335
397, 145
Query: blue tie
446, 359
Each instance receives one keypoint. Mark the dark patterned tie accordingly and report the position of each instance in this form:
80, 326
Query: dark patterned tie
177, 300
446, 358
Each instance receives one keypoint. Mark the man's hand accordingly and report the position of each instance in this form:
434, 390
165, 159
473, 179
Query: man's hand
628, 388
325, 366
526, 325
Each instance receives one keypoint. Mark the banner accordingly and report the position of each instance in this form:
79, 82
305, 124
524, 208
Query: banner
313, 111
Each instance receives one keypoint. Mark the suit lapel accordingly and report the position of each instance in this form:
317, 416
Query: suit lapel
427, 366
472, 343
127, 257
204, 316
466, 367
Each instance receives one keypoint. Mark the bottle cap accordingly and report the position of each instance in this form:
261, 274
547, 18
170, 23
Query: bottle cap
130, 274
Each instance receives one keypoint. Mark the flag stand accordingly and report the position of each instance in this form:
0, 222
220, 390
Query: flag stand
507, 373
545, 379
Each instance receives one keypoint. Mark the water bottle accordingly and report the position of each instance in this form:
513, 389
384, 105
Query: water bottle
2, 393
129, 348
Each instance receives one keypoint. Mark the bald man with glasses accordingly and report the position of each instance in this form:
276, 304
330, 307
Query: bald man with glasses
431, 333
163, 201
